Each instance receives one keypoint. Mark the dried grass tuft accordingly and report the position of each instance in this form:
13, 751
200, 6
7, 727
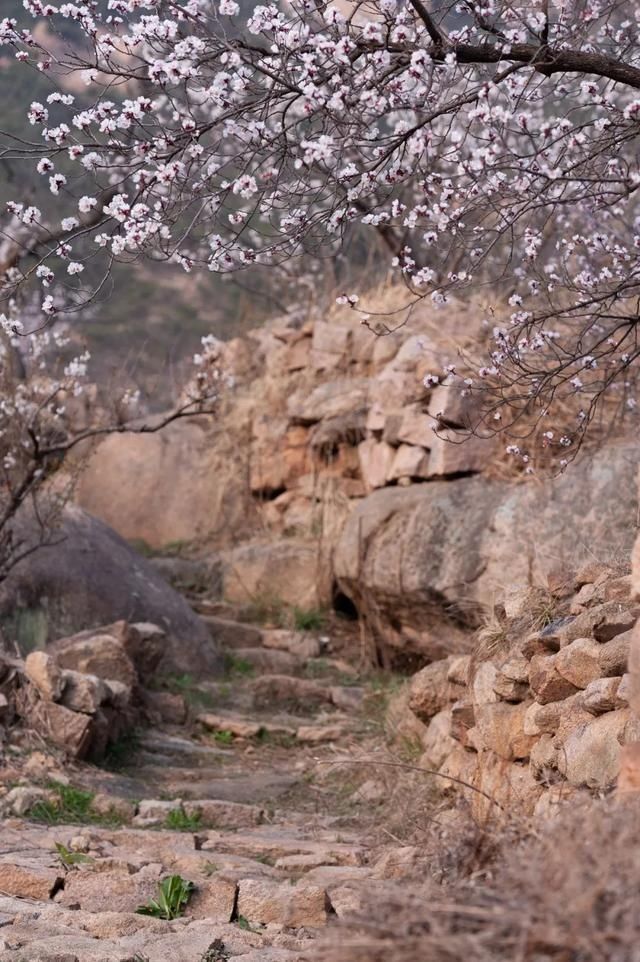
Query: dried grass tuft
568, 893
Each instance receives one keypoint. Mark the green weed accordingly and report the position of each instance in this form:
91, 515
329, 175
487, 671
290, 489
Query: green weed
238, 667
308, 619
179, 821
223, 737
72, 805
70, 858
173, 896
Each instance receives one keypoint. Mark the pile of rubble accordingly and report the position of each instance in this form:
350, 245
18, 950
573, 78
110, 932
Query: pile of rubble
86, 691
540, 711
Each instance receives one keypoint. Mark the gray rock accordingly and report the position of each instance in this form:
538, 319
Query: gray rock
89, 577
410, 558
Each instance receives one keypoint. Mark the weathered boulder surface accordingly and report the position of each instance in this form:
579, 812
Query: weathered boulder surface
174, 485
90, 577
411, 557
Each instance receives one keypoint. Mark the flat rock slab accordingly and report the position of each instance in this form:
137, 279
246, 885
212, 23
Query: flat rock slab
267, 902
29, 877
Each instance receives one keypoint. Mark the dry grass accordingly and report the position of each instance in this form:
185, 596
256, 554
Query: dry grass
568, 893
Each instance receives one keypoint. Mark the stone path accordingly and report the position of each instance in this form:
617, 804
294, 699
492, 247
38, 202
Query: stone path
249, 800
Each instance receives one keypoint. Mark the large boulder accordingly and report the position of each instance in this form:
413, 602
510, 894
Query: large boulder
89, 576
420, 562
272, 573
181, 484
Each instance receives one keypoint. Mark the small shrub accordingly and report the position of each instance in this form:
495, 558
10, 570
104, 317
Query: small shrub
238, 667
223, 737
72, 805
173, 896
308, 619
179, 821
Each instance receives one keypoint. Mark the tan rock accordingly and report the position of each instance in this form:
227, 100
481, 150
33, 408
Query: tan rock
83, 692
614, 619
238, 727
579, 662
216, 813
590, 756
298, 355
101, 655
110, 805
385, 348
331, 338
183, 467
601, 695
29, 878
462, 720
400, 721
482, 684
452, 453
268, 660
543, 760
376, 418
629, 775
315, 734
546, 682
280, 571
429, 690
69, 730
107, 891
592, 572
437, 742
21, 799
633, 684
459, 766
553, 799
614, 655
298, 643
376, 460
415, 427
510, 787
458, 671
43, 672
516, 668
329, 399
449, 408
409, 462
264, 902
619, 589
624, 691
510, 690
501, 727
166, 707
152, 811
213, 899
540, 719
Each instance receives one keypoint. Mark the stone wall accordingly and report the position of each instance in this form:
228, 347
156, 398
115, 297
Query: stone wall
541, 709
324, 476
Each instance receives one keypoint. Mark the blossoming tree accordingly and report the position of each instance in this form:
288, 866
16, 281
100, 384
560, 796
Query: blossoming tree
492, 144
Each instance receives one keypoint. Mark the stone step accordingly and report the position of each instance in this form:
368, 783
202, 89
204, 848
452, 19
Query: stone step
301, 730
232, 634
214, 813
269, 660
302, 695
